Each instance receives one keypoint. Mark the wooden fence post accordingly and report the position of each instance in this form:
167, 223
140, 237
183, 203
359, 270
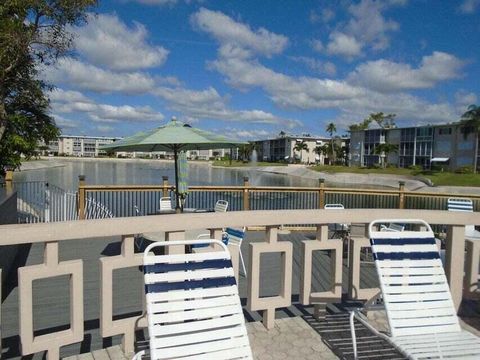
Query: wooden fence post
81, 197
401, 194
9, 181
165, 186
246, 193
321, 194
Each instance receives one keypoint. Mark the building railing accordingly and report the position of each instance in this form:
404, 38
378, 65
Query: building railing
122, 199
174, 226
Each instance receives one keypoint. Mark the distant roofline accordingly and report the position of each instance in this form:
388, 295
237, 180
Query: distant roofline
413, 127
91, 137
312, 138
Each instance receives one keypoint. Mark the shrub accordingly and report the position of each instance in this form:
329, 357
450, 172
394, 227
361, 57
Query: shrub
415, 167
464, 170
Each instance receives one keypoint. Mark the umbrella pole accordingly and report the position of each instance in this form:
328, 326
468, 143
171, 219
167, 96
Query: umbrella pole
178, 207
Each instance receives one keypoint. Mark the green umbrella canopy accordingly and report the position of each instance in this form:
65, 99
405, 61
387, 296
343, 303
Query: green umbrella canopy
174, 136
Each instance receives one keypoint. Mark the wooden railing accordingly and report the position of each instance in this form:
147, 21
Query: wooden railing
174, 226
122, 199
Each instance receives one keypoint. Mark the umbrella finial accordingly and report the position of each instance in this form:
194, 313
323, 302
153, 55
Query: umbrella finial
174, 118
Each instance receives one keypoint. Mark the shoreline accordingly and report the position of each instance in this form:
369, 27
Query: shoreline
336, 179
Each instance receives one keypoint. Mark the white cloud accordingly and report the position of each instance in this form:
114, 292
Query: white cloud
463, 99
75, 102
60, 95
64, 123
235, 34
85, 76
325, 16
367, 27
469, 6
327, 67
208, 104
157, 2
253, 134
104, 128
317, 45
384, 75
106, 41
344, 45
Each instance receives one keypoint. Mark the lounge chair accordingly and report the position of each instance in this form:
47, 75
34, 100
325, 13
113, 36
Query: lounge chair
193, 306
392, 227
221, 206
422, 319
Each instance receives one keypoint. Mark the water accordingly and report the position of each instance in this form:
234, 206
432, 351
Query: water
134, 172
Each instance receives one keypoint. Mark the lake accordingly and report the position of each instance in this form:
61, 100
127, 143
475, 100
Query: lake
135, 172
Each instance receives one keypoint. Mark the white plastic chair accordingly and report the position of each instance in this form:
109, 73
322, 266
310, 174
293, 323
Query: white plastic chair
221, 206
235, 237
166, 204
339, 230
422, 318
96, 210
193, 306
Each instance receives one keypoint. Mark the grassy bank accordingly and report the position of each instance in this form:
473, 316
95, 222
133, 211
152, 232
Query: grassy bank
238, 163
438, 178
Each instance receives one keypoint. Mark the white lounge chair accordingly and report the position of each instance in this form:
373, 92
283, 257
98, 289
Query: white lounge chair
221, 206
392, 227
193, 306
421, 315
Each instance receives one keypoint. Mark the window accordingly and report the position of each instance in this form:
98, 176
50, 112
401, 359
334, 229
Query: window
445, 131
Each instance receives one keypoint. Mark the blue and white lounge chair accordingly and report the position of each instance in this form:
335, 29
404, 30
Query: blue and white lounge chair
464, 205
422, 318
193, 307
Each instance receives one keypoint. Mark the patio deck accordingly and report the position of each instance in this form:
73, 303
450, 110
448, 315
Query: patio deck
51, 302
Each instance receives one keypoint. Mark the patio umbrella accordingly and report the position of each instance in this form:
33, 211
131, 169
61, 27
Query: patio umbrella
174, 136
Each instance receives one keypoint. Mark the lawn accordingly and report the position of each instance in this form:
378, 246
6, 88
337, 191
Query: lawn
437, 177
239, 163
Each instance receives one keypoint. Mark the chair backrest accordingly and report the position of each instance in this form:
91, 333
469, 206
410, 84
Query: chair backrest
193, 306
165, 203
414, 286
464, 205
221, 206
333, 206
235, 236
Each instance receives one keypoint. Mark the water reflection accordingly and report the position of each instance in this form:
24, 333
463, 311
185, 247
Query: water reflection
132, 172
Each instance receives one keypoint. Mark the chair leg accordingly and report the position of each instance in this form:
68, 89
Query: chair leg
243, 263
352, 332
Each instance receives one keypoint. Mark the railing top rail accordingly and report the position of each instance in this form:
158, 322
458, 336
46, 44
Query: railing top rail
70, 230
276, 188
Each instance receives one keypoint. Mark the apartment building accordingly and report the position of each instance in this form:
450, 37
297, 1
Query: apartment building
282, 148
79, 145
423, 146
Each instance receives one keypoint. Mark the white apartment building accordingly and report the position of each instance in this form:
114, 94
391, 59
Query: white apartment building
79, 145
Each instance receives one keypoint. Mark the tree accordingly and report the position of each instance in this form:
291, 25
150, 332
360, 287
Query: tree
470, 123
331, 128
383, 150
246, 150
384, 121
362, 126
299, 147
32, 34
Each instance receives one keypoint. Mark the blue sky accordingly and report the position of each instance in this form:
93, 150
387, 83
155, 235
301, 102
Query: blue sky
250, 69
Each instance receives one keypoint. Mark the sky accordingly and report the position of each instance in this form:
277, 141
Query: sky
250, 69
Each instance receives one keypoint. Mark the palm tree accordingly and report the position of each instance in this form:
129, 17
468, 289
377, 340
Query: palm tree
300, 146
246, 150
470, 123
331, 128
383, 150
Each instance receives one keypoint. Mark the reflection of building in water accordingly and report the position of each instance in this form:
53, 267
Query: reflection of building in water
282, 148
443, 145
